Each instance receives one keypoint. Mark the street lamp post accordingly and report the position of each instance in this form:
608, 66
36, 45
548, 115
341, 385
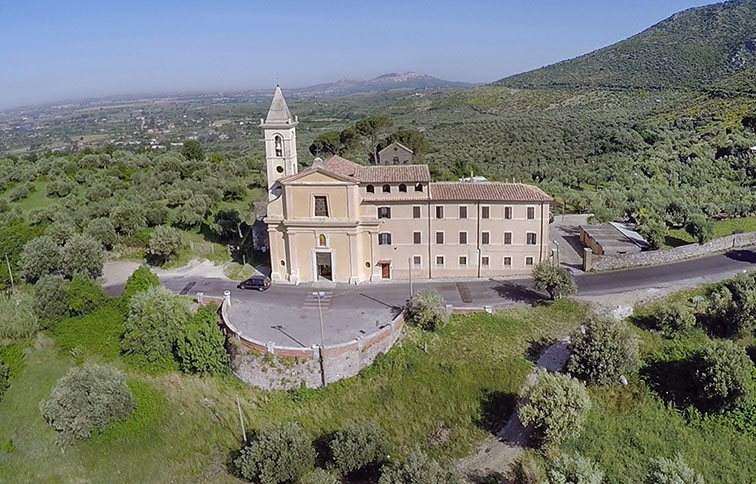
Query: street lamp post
318, 295
409, 266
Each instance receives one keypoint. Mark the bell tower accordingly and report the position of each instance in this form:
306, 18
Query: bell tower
280, 137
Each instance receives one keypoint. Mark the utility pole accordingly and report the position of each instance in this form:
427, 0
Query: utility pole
409, 266
10, 273
319, 295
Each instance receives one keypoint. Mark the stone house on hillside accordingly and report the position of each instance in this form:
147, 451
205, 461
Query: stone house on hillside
395, 154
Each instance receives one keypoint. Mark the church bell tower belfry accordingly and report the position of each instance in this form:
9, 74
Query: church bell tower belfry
280, 137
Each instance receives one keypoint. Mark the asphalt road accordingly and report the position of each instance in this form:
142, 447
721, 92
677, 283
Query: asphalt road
288, 315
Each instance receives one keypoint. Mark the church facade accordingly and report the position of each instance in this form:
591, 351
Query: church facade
346, 222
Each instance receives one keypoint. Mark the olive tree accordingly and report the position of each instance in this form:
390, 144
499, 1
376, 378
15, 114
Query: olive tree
671, 471
359, 446
103, 230
427, 310
83, 254
277, 454
603, 350
164, 242
554, 407
723, 375
418, 468
675, 319
50, 297
555, 280
41, 256
573, 469
86, 400
155, 320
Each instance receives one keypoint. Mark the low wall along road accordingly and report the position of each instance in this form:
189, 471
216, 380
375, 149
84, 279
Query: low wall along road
658, 257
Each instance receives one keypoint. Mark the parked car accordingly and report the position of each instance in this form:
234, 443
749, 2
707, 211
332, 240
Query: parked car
258, 282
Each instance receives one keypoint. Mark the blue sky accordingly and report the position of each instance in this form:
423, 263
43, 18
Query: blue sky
57, 50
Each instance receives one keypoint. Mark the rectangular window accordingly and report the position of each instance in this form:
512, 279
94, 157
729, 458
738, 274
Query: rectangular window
463, 260
321, 206
507, 238
508, 213
417, 237
384, 212
439, 237
485, 261
485, 238
485, 212
462, 238
531, 238
384, 239
531, 213
417, 261
463, 212
440, 212
439, 260
507, 262
415, 212
528, 261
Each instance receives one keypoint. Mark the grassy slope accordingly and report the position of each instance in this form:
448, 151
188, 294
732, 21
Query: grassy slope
722, 228
186, 428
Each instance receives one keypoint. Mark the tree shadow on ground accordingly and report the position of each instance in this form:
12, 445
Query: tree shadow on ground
536, 347
673, 381
519, 293
487, 477
673, 241
742, 256
495, 409
643, 321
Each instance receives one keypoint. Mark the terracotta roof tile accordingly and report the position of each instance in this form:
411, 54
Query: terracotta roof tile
487, 191
377, 174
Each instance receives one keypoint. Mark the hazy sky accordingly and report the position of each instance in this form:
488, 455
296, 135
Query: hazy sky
56, 50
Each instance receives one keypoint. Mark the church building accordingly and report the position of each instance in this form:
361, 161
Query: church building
346, 222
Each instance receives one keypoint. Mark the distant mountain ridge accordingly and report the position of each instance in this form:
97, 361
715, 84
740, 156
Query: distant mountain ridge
693, 48
385, 82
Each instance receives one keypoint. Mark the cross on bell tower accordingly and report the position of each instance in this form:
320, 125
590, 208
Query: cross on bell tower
280, 137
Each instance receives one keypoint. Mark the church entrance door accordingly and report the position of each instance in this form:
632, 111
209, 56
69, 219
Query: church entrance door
386, 271
323, 261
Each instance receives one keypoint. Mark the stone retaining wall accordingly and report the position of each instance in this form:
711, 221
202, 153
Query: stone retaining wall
656, 257
274, 367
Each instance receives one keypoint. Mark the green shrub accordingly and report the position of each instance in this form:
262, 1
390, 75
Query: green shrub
602, 351
84, 295
700, 228
723, 375
675, 319
86, 400
13, 237
97, 333
732, 306
18, 321
671, 471
50, 298
279, 453
418, 468
555, 280
141, 280
573, 469
201, 347
427, 310
83, 254
155, 321
41, 256
320, 476
358, 447
102, 230
554, 407
164, 242
3, 378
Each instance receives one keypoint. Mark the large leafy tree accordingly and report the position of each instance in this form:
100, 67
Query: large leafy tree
372, 129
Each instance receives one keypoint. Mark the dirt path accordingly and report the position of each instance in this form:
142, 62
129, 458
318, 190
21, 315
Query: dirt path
498, 453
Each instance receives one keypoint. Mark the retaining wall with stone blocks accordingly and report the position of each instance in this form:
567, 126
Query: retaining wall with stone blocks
658, 257
273, 367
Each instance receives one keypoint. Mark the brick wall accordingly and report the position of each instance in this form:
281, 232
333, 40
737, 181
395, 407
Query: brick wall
656, 257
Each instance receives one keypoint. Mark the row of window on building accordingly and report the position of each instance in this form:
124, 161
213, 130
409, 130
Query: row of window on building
531, 238
485, 212
485, 261
387, 188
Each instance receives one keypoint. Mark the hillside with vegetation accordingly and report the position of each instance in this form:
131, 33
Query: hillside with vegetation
694, 48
